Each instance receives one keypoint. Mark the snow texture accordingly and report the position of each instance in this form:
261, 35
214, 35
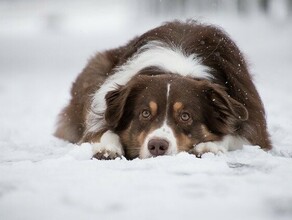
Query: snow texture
42, 177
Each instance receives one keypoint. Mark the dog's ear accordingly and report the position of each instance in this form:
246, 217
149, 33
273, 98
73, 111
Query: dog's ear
115, 101
227, 112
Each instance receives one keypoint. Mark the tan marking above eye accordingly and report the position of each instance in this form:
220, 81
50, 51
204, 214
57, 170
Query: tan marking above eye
153, 107
177, 106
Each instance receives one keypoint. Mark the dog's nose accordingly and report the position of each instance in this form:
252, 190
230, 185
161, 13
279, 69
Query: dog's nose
158, 147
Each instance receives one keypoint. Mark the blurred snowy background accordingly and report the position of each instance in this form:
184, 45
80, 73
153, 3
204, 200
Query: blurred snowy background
44, 44
50, 29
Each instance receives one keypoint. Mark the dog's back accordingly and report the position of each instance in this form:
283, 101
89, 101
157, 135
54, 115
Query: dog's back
78, 122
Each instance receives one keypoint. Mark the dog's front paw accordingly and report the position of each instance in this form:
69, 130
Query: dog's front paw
109, 147
207, 147
102, 152
105, 153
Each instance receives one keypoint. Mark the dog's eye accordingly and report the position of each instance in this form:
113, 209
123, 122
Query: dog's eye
185, 116
146, 114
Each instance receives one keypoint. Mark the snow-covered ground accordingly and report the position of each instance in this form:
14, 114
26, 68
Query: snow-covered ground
42, 177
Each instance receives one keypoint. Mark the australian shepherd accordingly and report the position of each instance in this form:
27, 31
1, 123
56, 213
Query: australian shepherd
183, 86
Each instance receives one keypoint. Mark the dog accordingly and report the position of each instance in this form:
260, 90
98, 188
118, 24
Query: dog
183, 86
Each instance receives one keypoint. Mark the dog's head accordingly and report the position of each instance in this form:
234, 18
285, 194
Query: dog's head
166, 114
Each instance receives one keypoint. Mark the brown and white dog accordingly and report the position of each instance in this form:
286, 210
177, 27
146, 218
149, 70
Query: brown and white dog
182, 86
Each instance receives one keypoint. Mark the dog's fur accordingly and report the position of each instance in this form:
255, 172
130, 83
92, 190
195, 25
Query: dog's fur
178, 87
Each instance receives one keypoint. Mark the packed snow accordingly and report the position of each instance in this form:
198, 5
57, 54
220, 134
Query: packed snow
42, 177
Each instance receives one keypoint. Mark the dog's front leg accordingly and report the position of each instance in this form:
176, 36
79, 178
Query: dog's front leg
228, 142
106, 145
206, 147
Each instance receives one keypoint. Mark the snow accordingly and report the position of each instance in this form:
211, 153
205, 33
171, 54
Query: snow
42, 177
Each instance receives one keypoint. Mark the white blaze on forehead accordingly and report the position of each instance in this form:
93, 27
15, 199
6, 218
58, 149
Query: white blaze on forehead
167, 97
155, 53
167, 93
164, 132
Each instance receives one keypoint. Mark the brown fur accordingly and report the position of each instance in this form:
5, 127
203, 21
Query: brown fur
228, 104
213, 113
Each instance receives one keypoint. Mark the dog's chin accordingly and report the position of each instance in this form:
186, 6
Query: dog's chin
152, 156
146, 154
